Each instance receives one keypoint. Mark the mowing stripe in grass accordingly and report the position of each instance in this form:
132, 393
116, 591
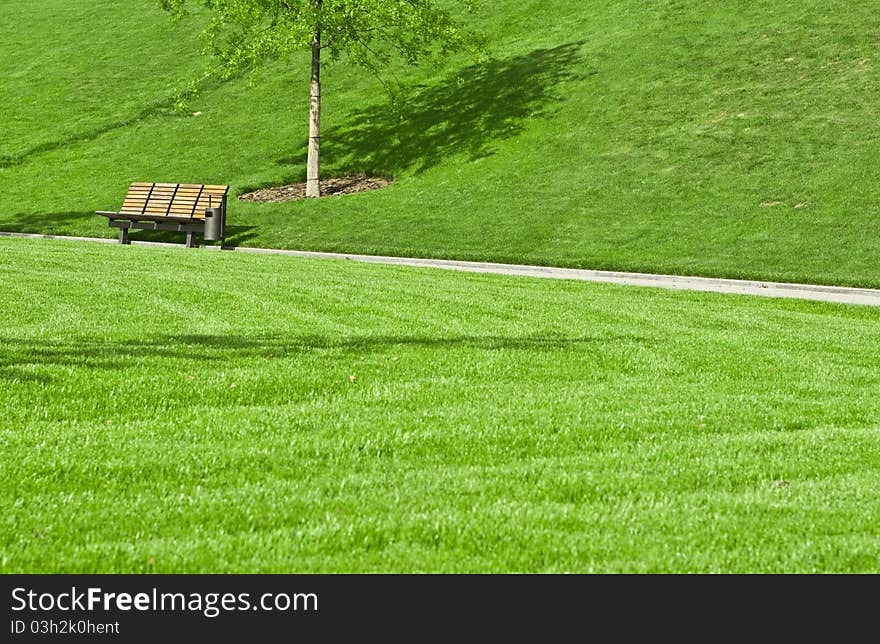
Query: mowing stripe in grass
817, 292
172, 411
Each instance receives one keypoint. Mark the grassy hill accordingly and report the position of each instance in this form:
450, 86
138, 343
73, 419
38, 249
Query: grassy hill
179, 411
732, 139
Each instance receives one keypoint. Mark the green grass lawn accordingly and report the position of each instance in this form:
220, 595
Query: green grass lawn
734, 139
189, 411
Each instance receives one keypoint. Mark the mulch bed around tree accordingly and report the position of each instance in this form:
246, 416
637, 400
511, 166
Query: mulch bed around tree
331, 186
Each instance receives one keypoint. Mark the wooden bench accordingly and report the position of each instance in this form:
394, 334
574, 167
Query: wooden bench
180, 207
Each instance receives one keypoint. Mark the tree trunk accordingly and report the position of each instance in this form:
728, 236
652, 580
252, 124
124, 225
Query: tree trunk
313, 165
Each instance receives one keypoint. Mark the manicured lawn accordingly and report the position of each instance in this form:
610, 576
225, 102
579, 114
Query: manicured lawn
733, 139
190, 411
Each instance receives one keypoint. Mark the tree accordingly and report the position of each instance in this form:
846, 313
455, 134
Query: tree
244, 35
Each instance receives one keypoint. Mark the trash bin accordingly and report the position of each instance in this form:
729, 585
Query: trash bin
214, 224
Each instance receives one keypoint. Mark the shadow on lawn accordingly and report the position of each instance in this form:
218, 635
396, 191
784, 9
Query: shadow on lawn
465, 114
160, 106
228, 349
235, 235
46, 222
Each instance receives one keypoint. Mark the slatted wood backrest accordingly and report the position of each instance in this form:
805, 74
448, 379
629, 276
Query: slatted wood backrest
172, 199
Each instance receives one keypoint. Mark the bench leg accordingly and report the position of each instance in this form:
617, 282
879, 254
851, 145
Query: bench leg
123, 236
190, 240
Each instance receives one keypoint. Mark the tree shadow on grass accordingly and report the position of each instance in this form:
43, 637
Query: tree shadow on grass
90, 134
16, 354
46, 222
466, 114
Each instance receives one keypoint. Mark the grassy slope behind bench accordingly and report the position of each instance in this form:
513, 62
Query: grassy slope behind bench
227, 412
733, 139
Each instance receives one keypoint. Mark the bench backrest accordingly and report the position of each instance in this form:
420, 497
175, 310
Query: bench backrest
173, 199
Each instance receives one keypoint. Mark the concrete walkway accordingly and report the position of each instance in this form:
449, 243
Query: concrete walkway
839, 294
